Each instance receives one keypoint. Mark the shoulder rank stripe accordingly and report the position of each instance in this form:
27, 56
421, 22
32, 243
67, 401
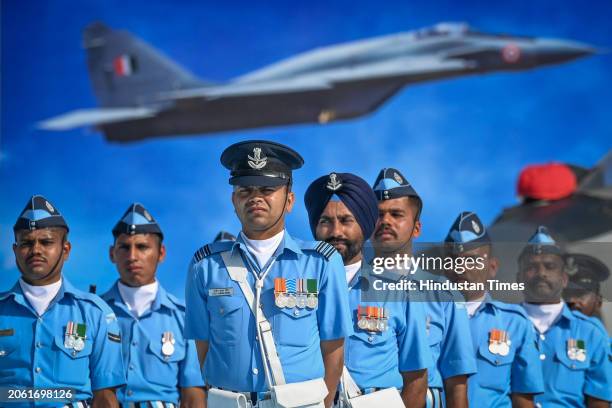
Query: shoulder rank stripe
325, 249
114, 337
201, 253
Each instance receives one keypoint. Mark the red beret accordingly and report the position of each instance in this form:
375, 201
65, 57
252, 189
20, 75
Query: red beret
551, 181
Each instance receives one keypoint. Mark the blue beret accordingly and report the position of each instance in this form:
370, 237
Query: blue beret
352, 190
260, 163
541, 243
391, 184
467, 232
137, 220
39, 213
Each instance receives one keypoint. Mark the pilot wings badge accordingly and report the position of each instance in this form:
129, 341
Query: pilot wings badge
257, 162
333, 184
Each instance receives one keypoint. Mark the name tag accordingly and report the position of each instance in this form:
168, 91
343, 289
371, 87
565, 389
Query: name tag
221, 292
7, 332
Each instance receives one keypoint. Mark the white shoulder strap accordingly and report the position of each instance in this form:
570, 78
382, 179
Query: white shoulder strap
238, 273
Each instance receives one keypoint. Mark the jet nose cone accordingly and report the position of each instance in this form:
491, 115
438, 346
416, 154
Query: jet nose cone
555, 51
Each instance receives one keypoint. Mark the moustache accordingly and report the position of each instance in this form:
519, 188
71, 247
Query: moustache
383, 230
537, 281
338, 241
37, 257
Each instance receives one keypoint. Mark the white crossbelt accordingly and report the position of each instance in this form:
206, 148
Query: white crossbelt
349, 386
352, 397
238, 273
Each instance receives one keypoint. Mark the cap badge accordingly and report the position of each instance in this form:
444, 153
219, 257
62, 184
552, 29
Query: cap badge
333, 184
49, 206
257, 162
476, 227
398, 178
147, 215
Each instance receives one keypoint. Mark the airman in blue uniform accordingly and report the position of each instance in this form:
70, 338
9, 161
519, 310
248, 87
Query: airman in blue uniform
300, 287
509, 370
573, 349
162, 366
447, 326
583, 292
52, 334
389, 346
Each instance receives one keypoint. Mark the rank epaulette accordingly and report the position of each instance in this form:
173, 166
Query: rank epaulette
210, 249
325, 249
201, 253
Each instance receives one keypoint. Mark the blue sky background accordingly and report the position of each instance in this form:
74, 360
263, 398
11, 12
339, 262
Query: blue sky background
461, 142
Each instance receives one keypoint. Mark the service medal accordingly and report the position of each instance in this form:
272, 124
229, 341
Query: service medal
69, 342
503, 349
281, 300
300, 301
576, 350
80, 331
167, 349
280, 292
69, 336
312, 301
372, 325
571, 349
79, 344
167, 344
291, 302
362, 320
383, 316
312, 291
497, 342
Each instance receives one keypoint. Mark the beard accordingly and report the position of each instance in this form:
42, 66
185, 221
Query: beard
348, 249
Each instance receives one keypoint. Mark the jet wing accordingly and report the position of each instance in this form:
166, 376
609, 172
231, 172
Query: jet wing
237, 89
95, 117
409, 68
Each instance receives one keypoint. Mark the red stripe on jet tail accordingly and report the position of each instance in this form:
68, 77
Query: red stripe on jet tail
123, 65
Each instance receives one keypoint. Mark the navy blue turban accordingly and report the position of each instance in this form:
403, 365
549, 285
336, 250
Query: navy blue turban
352, 190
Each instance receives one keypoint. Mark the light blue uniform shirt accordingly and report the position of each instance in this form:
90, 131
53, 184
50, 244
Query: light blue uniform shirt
217, 312
498, 376
566, 381
32, 351
375, 359
448, 333
151, 375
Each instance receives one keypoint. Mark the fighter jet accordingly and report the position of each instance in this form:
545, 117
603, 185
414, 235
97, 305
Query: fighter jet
144, 94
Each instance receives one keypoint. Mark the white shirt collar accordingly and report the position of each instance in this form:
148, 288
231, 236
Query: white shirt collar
40, 296
263, 249
139, 299
543, 316
351, 270
473, 305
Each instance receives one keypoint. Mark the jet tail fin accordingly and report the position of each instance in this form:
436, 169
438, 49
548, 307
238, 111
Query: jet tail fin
125, 71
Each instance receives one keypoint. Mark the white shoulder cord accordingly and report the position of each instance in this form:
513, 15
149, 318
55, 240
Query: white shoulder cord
349, 386
238, 272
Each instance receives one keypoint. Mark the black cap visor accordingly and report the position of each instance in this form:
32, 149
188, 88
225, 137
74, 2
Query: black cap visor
259, 179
